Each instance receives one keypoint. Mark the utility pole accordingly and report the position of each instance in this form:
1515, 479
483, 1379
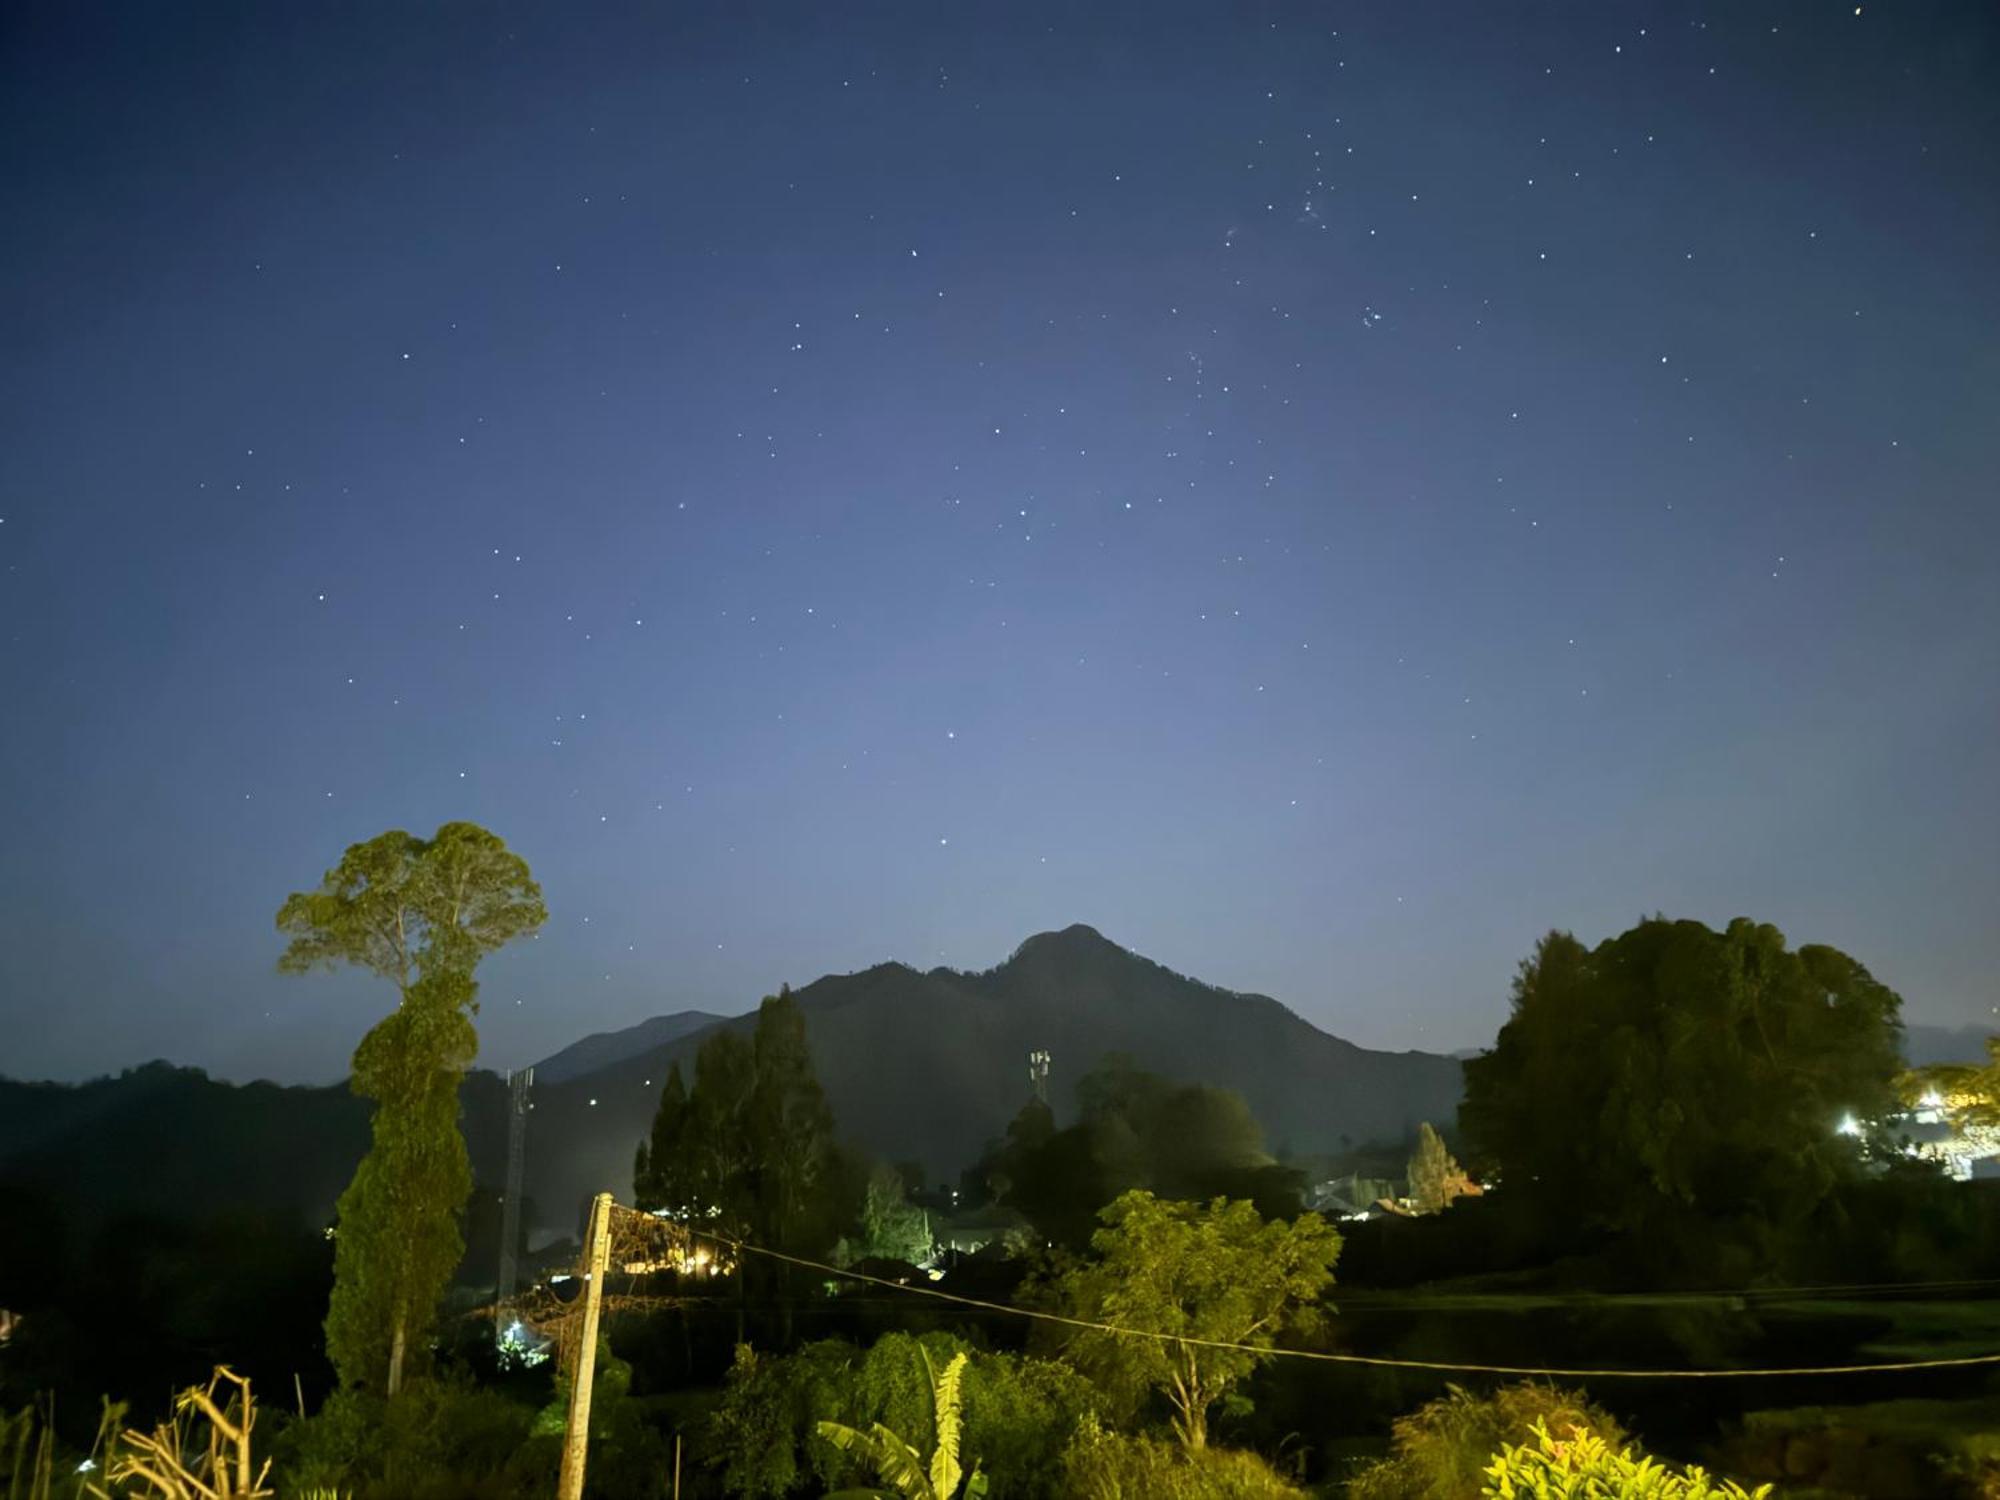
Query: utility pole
576, 1431
518, 1084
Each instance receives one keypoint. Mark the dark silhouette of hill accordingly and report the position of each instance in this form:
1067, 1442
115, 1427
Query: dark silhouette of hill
930, 1066
918, 1066
603, 1049
165, 1142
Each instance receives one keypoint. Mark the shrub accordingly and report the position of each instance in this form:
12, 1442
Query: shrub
1583, 1467
1019, 1414
1100, 1465
1441, 1450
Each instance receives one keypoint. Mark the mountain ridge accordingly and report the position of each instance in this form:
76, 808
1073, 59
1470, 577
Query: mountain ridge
930, 1065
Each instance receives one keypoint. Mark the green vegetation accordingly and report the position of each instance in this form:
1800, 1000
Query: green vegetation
1194, 1277
750, 1149
902, 1467
1682, 1084
1103, 1465
891, 1227
1581, 1465
766, 1439
1135, 1131
1436, 1179
1442, 1450
421, 913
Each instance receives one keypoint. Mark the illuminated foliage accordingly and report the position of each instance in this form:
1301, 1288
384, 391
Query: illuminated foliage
899, 1463
1435, 1175
1183, 1273
1441, 1450
1582, 1466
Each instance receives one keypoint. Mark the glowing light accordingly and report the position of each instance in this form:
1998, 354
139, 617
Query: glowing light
1848, 1125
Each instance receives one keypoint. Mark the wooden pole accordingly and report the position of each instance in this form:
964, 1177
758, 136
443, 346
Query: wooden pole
576, 1432
677, 1466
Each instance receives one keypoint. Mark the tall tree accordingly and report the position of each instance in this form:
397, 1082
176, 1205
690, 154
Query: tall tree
421, 913
1435, 1175
749, 1149
1675, 1074
1188, 1277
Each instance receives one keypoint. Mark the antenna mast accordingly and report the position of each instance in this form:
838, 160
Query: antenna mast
1038, 1074
518, 1105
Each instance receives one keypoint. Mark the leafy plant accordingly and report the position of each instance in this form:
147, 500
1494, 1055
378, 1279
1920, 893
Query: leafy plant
901, 1466
1102, 1465
1585, 1467
1441, 1450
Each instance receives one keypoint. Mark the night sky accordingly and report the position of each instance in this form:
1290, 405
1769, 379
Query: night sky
1321, 493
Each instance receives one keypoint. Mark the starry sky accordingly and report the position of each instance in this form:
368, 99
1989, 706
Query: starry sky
1322, 493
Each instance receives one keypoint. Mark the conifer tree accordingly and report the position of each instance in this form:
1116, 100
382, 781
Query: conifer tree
1435, 1175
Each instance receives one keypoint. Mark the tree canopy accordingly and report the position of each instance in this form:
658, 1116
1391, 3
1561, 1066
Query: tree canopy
1219, 1273
1135, 1130
399, 905
1675, 1070
750, 1148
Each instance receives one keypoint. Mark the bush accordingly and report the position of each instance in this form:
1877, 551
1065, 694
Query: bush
436, 1441
1019, 1414
1441, 1450
1100, 1465
1584, 1467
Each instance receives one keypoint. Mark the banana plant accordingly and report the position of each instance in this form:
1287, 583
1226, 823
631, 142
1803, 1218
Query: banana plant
900, 1466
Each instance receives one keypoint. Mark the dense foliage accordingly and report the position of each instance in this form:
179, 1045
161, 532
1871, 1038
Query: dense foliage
1582, 1466
1442, 1450
750, 1148
1018, 1413
1103, 1465
1191, 1277
1436, 1178
1677, 1074
1134, 1131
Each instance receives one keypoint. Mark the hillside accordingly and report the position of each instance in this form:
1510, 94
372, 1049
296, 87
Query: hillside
603, 1049
930, 1066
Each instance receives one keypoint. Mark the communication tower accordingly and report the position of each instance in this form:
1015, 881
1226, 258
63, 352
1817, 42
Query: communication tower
518, 1105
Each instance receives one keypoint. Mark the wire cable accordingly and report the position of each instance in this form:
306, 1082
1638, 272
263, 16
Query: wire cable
1448, 1367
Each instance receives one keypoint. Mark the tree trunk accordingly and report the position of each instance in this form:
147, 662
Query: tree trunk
396, 1355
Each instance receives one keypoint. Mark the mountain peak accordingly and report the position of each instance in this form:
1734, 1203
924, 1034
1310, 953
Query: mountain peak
1075, 939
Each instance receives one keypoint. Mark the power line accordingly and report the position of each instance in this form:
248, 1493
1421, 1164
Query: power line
1369, 1360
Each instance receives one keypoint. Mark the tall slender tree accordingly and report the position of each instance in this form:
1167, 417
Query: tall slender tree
1435, 1175
421, 913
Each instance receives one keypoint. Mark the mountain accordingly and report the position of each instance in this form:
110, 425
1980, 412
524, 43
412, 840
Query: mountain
921, 1067
930, 1066
602, 1049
